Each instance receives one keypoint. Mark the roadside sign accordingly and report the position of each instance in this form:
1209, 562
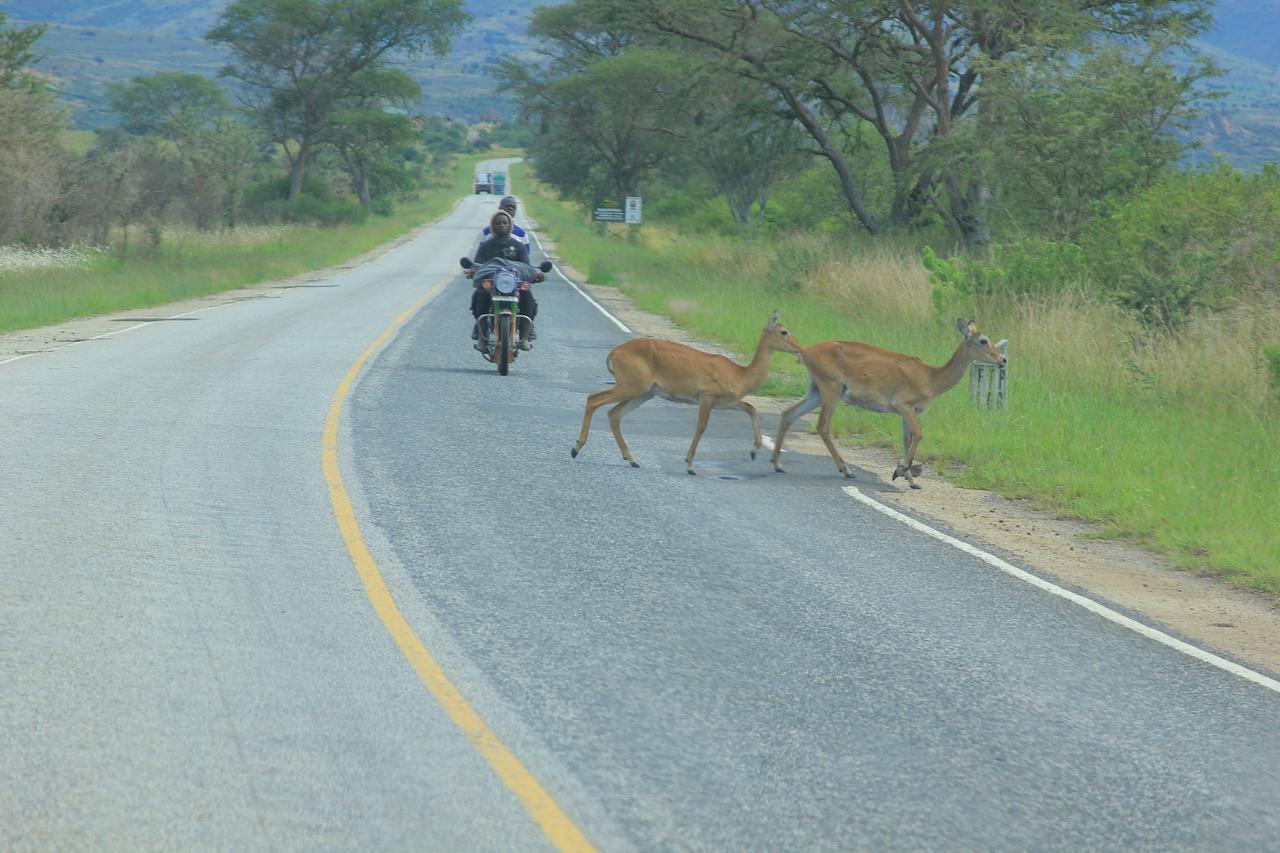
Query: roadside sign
632, 210
608, 209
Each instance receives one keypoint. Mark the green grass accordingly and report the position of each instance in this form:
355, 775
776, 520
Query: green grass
183, 266
1193, 474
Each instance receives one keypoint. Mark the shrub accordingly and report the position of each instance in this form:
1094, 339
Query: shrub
1194, 241
1271, 354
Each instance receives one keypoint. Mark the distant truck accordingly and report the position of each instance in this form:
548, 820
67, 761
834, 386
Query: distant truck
484, 183
499, 183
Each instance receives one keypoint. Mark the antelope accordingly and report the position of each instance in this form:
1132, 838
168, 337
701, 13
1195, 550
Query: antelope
882, 381
643, 367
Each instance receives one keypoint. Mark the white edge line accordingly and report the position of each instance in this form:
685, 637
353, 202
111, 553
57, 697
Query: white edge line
583, 293
1075, 598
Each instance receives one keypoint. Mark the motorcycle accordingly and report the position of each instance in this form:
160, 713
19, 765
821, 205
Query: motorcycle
504, 332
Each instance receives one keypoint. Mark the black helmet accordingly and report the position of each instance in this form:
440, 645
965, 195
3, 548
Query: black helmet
507, 203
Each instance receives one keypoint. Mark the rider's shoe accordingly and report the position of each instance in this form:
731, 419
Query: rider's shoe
475, 334
533, 332
525, 345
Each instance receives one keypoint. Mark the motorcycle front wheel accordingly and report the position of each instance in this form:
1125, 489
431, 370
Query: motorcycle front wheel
504, 343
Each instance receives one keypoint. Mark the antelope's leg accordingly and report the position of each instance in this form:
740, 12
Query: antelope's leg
824, 430
808, 404
911, 433
594, 401
755, 424
615, 423
907, 451
704, 412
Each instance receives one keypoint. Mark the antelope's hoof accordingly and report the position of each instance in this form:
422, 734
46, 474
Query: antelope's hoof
753, 454
898, 472
848, 475
634, 463
573, 452
915, 485
917, 470
777, 469
692, 473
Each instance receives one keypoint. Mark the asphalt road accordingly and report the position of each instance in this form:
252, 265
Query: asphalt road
734, 661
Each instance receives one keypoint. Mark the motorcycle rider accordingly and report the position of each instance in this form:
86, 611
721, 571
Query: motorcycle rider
508, 203
502, 245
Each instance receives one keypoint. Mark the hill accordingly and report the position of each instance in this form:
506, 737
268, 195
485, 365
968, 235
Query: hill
1247, 30
92, 43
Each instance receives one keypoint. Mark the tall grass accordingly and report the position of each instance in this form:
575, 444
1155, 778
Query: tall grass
1170, 442
164, 266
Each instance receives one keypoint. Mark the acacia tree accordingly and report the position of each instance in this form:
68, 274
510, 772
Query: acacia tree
913, 71
367, 132
673, 106
216, 151
1090, 130
172, 104
33, 166
609, 124
16, 54
745, 144
298, 59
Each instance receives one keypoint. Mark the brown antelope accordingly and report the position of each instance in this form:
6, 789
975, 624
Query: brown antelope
882, 381
644, 367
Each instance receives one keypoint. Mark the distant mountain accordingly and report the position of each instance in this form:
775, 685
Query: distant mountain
186, 18
1242, 124
1248, 29
95, 42
92, 43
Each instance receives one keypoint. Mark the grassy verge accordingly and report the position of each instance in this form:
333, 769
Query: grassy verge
185, 264
1173, 447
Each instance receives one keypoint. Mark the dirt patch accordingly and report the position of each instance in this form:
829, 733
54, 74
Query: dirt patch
1240, 623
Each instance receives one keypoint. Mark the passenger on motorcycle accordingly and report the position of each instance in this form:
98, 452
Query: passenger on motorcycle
509, 205
501, 246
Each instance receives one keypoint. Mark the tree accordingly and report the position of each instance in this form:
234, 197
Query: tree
298, 59
173, 105
215, 150
32, 162
1089, 130
16, 54
368, 132
913, 71
745, 144
609, 125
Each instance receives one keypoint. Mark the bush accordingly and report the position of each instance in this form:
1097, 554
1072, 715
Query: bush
1271, 354
1194, 241
270, 198
311, 208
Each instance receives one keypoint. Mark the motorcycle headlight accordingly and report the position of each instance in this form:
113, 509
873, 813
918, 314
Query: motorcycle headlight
505, 282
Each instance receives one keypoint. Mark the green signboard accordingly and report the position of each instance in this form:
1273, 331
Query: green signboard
608, 209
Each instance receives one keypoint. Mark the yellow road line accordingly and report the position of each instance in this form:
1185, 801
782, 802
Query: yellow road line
559, 829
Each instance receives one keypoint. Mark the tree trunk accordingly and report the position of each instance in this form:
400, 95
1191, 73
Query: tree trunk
296, 169
968, 208
362, 186
833, 154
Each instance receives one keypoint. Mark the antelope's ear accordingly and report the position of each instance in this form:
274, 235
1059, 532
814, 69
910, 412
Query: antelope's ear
963, 327
773, 322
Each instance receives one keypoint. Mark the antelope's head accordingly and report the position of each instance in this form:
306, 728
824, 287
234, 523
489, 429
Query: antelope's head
778, 339
978, 346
